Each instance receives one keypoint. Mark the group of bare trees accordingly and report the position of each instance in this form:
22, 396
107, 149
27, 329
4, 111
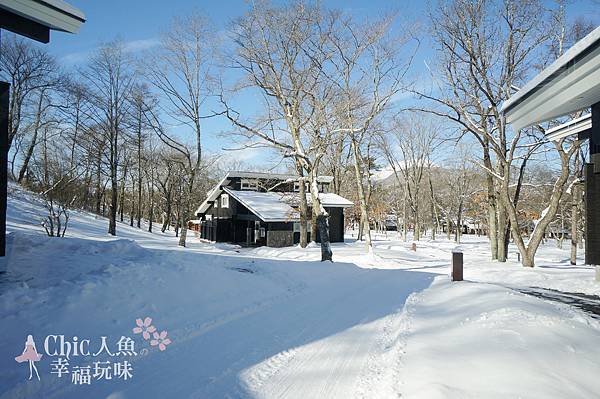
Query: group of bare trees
94, 138
486, 50
124, 136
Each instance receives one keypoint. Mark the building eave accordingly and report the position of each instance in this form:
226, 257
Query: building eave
580, 126
53, 14
569, 84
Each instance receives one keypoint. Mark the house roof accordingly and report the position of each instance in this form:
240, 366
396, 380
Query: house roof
275, 176
332, 200
279, 206
569, 84
269, 207
216, 191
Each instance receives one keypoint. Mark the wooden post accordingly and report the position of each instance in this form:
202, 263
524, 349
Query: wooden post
598, 273
457, 266
592, 193
4, 91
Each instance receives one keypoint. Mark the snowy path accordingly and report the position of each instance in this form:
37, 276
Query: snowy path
588, 303
344, 363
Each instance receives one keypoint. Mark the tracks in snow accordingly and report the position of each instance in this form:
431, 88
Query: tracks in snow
326, 360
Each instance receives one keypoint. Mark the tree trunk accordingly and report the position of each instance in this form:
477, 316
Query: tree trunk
183, 231
322, 218
501, 234
132, 210
434, 216
122, 195
417, 235
314, 226
364, 213
139, 161
492, 203
458, 234
167, 216
527, 259
574, 222
28, 155
151, 209
114, 165
323, 222
405, 216
112, 217
303, 208
183, 222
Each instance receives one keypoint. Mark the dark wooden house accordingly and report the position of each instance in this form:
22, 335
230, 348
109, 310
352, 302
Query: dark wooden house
251, 208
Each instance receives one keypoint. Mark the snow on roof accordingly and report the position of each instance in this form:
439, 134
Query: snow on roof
269, 207
216, 191
276, 176
332, 200
212, 195
278, 206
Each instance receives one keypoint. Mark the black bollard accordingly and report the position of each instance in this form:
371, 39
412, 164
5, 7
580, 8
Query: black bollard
457, 266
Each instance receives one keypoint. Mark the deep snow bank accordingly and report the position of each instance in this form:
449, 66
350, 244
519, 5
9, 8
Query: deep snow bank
471, 340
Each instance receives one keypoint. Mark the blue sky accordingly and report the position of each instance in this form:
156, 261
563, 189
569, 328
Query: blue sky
139, 23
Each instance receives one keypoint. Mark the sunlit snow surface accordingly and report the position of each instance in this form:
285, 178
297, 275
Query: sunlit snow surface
277, 323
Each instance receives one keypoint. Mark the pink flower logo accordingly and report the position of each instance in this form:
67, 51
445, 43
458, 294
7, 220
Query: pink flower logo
145, 327
161, 340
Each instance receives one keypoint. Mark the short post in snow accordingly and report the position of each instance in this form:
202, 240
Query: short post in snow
413, 247
457, 266
598, 273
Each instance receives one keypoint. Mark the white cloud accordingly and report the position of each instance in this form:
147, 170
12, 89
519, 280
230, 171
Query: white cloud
132, 46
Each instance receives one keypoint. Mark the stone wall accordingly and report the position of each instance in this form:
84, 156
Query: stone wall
280, 238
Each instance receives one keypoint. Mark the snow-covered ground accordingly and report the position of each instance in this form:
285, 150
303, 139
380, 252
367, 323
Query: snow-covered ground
277, 323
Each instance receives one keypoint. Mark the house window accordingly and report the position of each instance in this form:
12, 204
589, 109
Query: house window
297, 226
224, 201
297, 186
249, 184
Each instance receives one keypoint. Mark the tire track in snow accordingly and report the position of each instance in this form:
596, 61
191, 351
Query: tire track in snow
348, 364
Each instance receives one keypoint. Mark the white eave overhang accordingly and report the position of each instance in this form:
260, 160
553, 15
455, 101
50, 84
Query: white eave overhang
575, 126
36, 18
569, 84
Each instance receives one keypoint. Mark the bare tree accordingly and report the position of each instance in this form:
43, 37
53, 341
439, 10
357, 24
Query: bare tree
281, 51
484, 50
368, 73
110, 78
27, 68
181, 72
408, 149
142, 104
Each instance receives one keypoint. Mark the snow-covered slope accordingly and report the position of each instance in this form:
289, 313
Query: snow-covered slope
276, 323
